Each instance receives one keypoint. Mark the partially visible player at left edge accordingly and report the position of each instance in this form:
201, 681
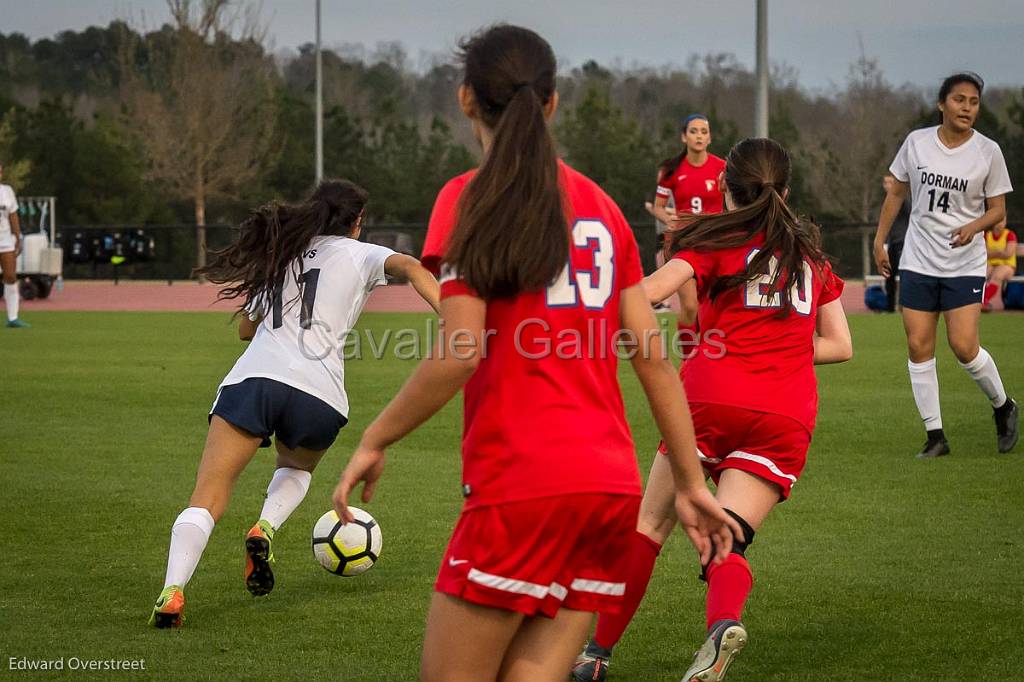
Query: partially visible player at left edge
10, 247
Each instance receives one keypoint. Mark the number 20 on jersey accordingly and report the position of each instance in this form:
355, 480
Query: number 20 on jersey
758, 293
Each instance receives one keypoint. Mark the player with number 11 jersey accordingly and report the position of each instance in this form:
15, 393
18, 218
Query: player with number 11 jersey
303, 277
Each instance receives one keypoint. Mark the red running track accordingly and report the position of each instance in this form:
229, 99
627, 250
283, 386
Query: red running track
86, 295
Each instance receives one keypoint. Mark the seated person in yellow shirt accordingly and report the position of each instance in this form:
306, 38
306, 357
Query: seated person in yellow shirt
1002, 260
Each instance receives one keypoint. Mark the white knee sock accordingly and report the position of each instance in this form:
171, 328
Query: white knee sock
11, 298
286, 490
925, 383
189, 535
984, 372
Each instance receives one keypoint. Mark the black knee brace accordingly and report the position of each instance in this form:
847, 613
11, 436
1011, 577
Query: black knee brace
738, 546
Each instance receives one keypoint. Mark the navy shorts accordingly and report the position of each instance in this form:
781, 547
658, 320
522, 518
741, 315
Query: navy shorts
265, 407
936, 294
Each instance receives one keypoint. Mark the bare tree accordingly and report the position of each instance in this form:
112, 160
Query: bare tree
199, 92
851, 157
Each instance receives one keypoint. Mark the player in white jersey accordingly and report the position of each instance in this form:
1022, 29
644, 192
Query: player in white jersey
303, 278
957, 182
10, 247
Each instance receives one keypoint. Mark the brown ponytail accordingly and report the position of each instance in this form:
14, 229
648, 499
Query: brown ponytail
669, 165
273, 237
757, 172
511, 233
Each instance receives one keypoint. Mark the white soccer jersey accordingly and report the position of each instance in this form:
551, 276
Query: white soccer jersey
8, 205
300, 341
948, 188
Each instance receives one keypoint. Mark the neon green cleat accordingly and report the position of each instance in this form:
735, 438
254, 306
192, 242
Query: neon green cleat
169, 611
18, 324
259, 554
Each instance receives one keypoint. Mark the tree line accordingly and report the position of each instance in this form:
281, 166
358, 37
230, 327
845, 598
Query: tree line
197, 120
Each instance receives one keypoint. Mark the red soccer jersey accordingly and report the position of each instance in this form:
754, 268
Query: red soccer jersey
543, 414
442, 221
748, 356
695, 188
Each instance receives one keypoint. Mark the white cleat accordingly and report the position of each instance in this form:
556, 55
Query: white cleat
725, 639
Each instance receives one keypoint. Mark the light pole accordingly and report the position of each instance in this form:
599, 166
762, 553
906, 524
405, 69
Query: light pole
319, 102
761, 98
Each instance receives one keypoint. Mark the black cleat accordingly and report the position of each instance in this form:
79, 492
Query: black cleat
592, 664
1007, 425
259, 577
935, 447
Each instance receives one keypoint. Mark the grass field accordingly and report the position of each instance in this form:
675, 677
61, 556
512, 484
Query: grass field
880, 567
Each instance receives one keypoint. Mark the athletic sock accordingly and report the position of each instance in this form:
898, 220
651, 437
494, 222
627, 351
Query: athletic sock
1004, 408
610, 626
990, 292
924, 381
729, 585
984, 372
12, 299
286, 491
189, 535
936, 434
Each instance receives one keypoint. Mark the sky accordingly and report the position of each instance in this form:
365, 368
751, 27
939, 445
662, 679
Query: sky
916, 42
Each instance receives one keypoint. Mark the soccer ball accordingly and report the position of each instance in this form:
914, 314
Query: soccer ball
348, 549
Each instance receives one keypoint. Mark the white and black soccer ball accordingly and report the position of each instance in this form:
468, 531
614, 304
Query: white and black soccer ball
348, 549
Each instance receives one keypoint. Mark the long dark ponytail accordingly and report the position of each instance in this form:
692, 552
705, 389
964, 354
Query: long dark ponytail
757, 172
511, 232
270, 241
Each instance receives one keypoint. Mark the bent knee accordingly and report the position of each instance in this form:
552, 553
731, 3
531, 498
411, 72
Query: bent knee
965, 352
657, 527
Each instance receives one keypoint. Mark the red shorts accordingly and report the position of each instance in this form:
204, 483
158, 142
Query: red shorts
537, 556
770, 446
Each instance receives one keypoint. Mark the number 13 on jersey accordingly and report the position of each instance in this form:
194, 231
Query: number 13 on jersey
594, 286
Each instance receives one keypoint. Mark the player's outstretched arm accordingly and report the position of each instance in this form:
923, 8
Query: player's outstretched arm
437, 379
702, 517
666, 280
886, 217
832, 341
401, 265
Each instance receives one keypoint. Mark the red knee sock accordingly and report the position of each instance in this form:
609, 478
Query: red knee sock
611, 626
990, 291
729, 584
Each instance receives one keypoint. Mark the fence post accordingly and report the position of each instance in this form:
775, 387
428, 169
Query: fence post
865, 251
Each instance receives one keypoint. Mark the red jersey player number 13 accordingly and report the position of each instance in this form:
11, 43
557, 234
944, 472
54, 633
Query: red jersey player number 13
534, 253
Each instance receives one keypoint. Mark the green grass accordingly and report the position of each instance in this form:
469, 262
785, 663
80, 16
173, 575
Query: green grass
879, 568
